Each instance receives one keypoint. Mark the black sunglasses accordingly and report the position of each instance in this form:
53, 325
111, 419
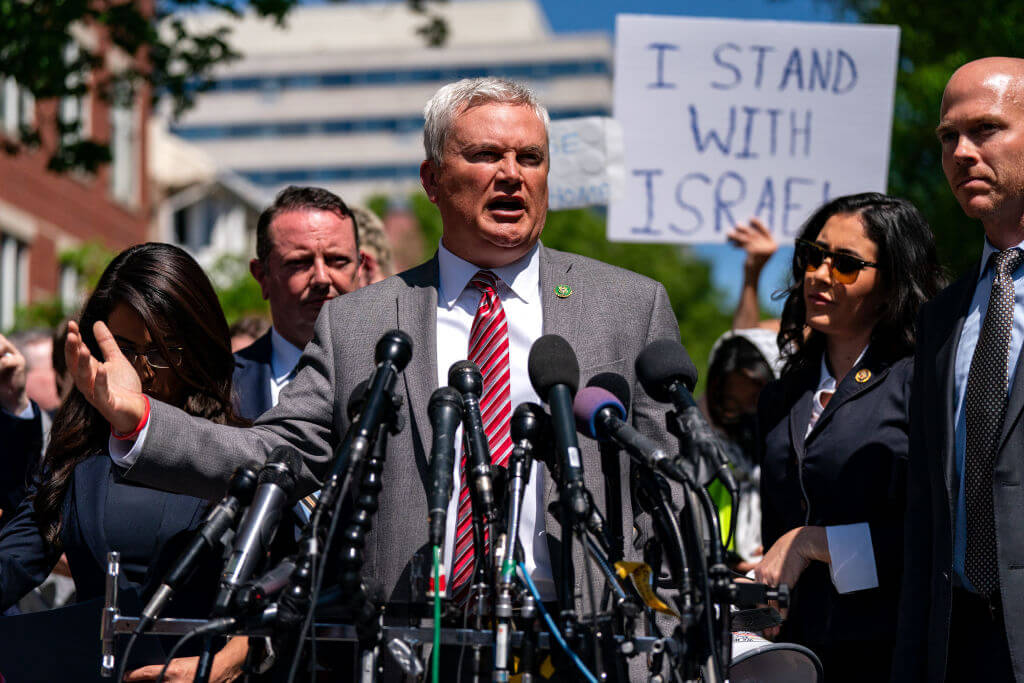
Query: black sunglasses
154, 357
845, 268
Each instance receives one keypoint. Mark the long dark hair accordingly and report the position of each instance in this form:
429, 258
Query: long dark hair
169, 291
907, 264
735, 354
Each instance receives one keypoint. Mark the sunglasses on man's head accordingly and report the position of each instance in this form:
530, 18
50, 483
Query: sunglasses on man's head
845, 267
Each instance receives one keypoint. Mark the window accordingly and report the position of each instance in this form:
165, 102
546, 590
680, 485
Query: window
13, 278
70, 288
124, 148
74, 108
17, 107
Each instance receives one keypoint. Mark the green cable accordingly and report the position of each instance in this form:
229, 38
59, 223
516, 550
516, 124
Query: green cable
436, 654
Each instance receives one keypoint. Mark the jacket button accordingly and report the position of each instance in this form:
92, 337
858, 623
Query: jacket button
945, 576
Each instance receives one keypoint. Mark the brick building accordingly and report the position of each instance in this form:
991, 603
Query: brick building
43, 213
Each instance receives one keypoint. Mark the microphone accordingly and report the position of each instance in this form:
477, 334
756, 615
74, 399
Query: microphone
555, 375
210, 535
599, 414
258, 526
392, 353
667, 374
267, 586
445, 411
465, 378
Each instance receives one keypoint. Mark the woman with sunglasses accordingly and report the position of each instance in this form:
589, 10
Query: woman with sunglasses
165, 317
834, 429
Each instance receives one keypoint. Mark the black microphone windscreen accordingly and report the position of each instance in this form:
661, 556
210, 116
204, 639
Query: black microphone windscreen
613, 383
395, 346
552, 361
661, 363
465, 378
282, 468
442, 396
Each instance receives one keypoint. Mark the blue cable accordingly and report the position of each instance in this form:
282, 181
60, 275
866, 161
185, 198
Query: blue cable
551, 625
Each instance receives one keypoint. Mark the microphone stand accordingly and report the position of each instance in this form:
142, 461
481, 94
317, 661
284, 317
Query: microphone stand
717, 581
365, 612
519, 465
480, 586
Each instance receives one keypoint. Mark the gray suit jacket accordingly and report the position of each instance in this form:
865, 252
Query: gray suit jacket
611, 315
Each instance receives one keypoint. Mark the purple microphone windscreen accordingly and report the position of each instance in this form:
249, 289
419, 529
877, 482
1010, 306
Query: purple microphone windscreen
613, 382
589, 402
552, 361
661, 363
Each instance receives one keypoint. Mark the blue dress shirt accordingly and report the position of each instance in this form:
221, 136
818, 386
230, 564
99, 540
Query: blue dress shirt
964, 354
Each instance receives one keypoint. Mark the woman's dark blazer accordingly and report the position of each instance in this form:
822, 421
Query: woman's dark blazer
103, 512
851, 468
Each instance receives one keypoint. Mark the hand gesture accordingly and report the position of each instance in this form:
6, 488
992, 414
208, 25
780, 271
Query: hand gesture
787, 559
227, 666
113, 386
756, 240
13, 398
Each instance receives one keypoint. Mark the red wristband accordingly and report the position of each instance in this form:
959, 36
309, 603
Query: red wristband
138, 428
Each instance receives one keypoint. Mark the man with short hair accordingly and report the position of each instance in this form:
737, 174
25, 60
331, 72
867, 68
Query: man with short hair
307, 253
963, 591
490, 292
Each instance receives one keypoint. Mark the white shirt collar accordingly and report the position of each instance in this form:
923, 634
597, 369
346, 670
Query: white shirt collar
521, 277
284, 356
987, 252
828, 382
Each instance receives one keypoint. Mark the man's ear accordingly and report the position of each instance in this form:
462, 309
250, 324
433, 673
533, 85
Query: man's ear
369, 269
428, 176
259, 273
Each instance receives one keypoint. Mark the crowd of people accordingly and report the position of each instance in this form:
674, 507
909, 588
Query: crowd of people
874, 429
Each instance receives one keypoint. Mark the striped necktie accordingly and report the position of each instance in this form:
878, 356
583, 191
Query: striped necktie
488, 348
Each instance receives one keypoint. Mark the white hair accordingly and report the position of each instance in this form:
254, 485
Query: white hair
452, 99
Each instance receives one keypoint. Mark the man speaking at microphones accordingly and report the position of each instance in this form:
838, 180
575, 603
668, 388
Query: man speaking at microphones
489, 292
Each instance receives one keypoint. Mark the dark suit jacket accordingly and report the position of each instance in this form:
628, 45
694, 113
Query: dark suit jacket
932, 496
251, 381
103, 512
21, 445
609, 318
851, 468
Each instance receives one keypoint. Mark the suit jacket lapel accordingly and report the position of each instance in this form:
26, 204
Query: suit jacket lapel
862, 377
1016, 401
800, 415
945, 372
417, 314
252, 378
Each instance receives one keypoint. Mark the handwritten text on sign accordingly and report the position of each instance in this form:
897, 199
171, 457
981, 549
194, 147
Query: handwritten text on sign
726, 119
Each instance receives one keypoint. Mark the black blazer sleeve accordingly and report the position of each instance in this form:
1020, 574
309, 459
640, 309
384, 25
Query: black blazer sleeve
21, 442
25, 557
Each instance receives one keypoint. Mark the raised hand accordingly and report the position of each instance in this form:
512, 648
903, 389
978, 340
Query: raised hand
756, 240
112, 386
13, 398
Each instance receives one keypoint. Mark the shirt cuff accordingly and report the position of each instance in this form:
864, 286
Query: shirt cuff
125, 453
853, 557
28, 414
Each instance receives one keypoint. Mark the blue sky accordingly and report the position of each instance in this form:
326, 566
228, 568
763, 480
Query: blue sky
599, 15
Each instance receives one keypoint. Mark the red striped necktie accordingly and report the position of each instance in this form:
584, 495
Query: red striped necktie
488, 348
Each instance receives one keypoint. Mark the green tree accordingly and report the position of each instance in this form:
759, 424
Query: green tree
934, 41
38, 49
238, 291
697, 304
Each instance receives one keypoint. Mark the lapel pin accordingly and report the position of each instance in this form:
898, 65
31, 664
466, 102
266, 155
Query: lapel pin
863, 375
563, 291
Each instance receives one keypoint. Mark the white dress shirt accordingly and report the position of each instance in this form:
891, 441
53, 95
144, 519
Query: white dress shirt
849, 545
284, 356
457, 302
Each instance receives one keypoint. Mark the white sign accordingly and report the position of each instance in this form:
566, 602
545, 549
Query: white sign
725, 119
586, 162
